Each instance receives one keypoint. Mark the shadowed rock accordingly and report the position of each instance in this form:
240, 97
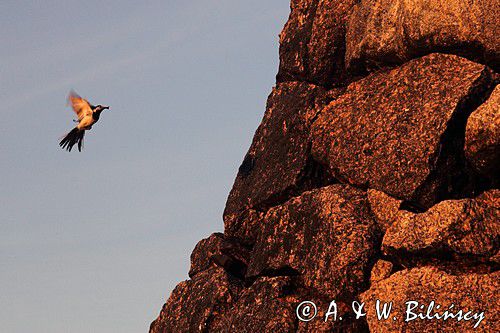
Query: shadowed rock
270, 304
482, 139
390, 32
195, 303
265, 307
294, 39
218, 250
204, 250
278, 164
402, 131
312, 43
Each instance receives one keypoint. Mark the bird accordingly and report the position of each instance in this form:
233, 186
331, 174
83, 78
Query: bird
87, 114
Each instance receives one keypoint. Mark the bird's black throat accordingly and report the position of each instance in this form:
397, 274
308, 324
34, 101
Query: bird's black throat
96, 115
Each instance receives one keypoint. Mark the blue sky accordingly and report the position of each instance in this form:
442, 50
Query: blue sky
95, 241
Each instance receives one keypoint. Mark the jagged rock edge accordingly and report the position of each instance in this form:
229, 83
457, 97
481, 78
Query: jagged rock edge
478, 94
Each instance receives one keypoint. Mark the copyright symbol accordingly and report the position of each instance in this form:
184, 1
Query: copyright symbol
306, 311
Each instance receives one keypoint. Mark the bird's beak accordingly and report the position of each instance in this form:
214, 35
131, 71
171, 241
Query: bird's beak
105, 107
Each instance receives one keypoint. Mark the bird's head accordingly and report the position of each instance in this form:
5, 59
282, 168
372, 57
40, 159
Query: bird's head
100, 108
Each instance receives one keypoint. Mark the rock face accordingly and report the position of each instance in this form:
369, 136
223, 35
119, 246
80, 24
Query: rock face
373, 175
384, 208
312, 43
391, 32
203, 252
325, 236
395, 131
193, 304
250, 314
429, 283
467, 227
482, 138
277, 166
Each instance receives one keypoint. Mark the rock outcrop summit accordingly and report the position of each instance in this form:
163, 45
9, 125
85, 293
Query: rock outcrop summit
374, 175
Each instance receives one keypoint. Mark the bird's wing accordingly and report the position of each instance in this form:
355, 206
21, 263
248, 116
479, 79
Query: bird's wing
80, 105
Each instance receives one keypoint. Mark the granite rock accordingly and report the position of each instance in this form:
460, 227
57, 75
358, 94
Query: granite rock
195, 303
482, 138
204, 250
384, 208
264, 307
381, 270
278, 164
375, 181
222, 251
312, 43
270, 305
326, 236
469, 292
462, 228
390, 32
402, 131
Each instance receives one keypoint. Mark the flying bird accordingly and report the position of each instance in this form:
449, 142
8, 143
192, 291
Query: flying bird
87, 114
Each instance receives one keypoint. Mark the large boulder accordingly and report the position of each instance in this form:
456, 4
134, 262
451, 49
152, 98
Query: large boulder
312, 43
195, 303
327, 237
466, 228
402, 131
264, 307
203, 251
222, 251
468, 292
278, 164
294, 39
270, 305
390, 32
384, 208
482, 138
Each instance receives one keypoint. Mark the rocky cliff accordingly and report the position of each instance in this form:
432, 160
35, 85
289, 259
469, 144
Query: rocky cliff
373, 176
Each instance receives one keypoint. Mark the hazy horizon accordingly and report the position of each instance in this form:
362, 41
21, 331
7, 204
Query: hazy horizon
96, 241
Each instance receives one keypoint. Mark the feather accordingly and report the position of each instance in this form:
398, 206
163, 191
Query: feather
80, 105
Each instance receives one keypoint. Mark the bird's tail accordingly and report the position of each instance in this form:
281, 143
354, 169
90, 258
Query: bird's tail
72, 138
